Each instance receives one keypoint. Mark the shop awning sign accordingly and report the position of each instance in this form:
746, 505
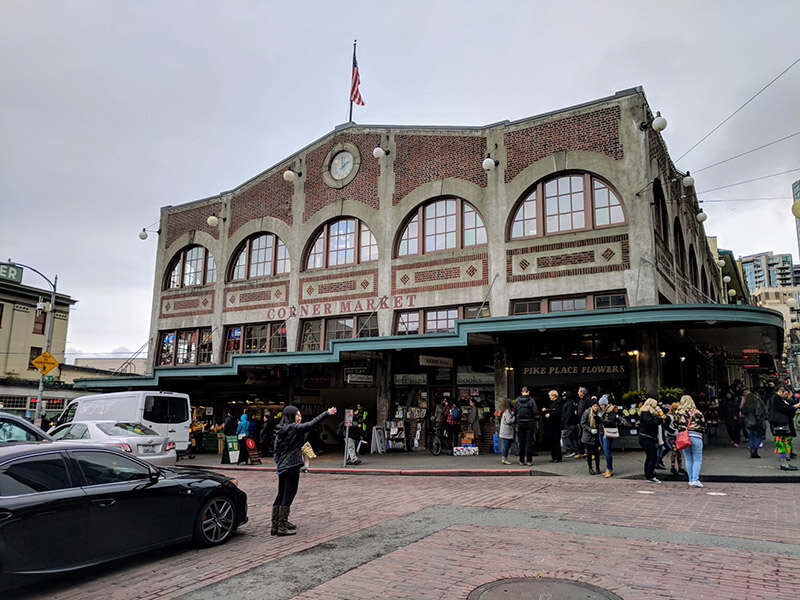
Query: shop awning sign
435, 361
556, 372
472, 378
360, 378
411, 379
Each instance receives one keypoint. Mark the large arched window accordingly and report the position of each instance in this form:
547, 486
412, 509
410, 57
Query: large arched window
567, 202
344, 241
660, 216
704, 282
693, 266
680, 246
193, 265
260, 255
442, 224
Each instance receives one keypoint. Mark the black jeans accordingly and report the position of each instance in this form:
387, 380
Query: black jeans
592, 451
287, 486
454, 431
554, 439
526, 442
650, 447
734, 430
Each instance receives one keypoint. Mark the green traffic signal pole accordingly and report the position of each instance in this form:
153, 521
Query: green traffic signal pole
38, 417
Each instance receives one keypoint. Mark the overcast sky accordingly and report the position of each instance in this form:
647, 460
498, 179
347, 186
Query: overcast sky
110, 110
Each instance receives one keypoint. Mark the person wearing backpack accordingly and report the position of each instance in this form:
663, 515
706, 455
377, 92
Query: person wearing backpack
454, 415
781, 421
527, 412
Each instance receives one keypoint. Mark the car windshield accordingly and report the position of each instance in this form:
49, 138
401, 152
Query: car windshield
125, 429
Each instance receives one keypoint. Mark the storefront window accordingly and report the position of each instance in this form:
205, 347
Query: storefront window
408, 323
167, 348
610, 301
440, 320
255, 338
367, 326
336, 329
567, 304
204, 354
476, 311
233, 341
526, 307
187, 347
311, 335
277, 341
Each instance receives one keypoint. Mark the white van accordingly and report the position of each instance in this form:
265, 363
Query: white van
168, 413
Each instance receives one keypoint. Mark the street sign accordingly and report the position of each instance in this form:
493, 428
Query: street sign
49, 379
45, 362
348, 418
11, 272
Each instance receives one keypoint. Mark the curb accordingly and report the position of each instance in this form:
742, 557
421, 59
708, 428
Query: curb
399, 472
725, 478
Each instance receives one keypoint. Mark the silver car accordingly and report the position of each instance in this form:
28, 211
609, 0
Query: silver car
138, 439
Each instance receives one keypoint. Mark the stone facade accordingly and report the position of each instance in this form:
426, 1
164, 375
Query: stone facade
602, 138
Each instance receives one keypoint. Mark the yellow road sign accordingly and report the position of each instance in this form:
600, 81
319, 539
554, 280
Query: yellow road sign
45, 362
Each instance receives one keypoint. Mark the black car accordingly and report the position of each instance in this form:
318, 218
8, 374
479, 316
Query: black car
15, 429
64, 506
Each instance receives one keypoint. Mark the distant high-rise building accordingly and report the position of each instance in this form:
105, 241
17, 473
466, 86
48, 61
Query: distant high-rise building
767, 270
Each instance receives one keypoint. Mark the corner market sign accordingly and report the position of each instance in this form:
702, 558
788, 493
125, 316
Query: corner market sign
10, 272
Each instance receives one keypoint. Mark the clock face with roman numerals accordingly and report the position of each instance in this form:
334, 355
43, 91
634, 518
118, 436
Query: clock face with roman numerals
341, 165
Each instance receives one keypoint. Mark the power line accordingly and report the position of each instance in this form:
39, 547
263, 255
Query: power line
726, 119
722, 200
748, 152
722, 187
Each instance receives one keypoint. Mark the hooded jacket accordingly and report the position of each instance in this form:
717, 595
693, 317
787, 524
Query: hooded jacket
243, 425
289, 438
526, 409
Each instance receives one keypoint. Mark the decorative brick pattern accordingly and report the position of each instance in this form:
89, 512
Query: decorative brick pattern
425, 158
342, 285
564, 260
364, 188
608, 254
256, 295
471, 270
192, 219
437, 274
198, 301
524, 264
596, 131
270, 197
337, 286
558, 260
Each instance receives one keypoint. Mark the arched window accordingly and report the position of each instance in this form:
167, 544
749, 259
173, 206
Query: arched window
660, 216
442, 224
693, 266
704, 282
193, 265
260, 255
680, 246
567, 202
344, 241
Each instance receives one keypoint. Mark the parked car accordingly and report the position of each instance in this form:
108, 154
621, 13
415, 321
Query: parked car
65, 505
168, 413
133, 438
14, 429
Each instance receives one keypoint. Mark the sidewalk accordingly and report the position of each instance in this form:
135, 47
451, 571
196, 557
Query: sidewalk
720, 463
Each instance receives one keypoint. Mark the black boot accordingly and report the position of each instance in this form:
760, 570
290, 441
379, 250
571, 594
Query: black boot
754, 454
275, 518
289, 525
282, 528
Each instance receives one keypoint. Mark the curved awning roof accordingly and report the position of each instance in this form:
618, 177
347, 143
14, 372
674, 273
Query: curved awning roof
704, 316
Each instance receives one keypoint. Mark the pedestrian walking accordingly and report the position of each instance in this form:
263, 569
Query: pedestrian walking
453, 413
527, 411
581, 404
671, 435
609, 420
730, 414
506, 436
754, 414
265, 436
650, 418
569, 424
229, 424
241, 432
289, 439
590, 436
474, 419
692, 420
360, 421
552, 425
781, 420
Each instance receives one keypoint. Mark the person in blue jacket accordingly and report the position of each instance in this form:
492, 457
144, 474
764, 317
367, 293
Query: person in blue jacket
241, 430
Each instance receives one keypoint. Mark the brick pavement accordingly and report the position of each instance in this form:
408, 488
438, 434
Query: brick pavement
326, 505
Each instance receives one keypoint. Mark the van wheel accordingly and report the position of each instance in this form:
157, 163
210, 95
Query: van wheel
215, 522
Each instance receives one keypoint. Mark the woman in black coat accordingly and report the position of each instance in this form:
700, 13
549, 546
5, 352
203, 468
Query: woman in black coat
289, 438
649, 420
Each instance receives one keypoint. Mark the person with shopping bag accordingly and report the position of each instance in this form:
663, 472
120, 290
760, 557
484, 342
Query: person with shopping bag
691, 426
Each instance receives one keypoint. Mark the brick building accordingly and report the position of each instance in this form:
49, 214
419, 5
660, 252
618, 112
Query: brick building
396, 265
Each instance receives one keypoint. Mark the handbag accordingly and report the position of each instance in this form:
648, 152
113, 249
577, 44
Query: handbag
611, 432
683, 441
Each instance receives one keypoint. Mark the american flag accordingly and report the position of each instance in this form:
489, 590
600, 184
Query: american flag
355, 94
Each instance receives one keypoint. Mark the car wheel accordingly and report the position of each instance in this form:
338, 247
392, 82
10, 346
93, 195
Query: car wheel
215, 522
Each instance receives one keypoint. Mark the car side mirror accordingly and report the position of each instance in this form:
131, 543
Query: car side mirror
155, 475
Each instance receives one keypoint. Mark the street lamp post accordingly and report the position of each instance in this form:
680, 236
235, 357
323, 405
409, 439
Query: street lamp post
51, 317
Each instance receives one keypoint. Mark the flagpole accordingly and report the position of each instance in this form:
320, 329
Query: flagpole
350, 118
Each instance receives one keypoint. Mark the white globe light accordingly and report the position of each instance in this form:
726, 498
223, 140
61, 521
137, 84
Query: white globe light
726, 279
791, 301
142, 235
212, 221
659, 123
378, 152
488, 164
796, 209
289, 175
720, 263
688, 181
701, 217
731, 293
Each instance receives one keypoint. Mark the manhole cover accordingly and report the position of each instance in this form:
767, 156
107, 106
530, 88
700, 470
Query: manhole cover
540, 588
